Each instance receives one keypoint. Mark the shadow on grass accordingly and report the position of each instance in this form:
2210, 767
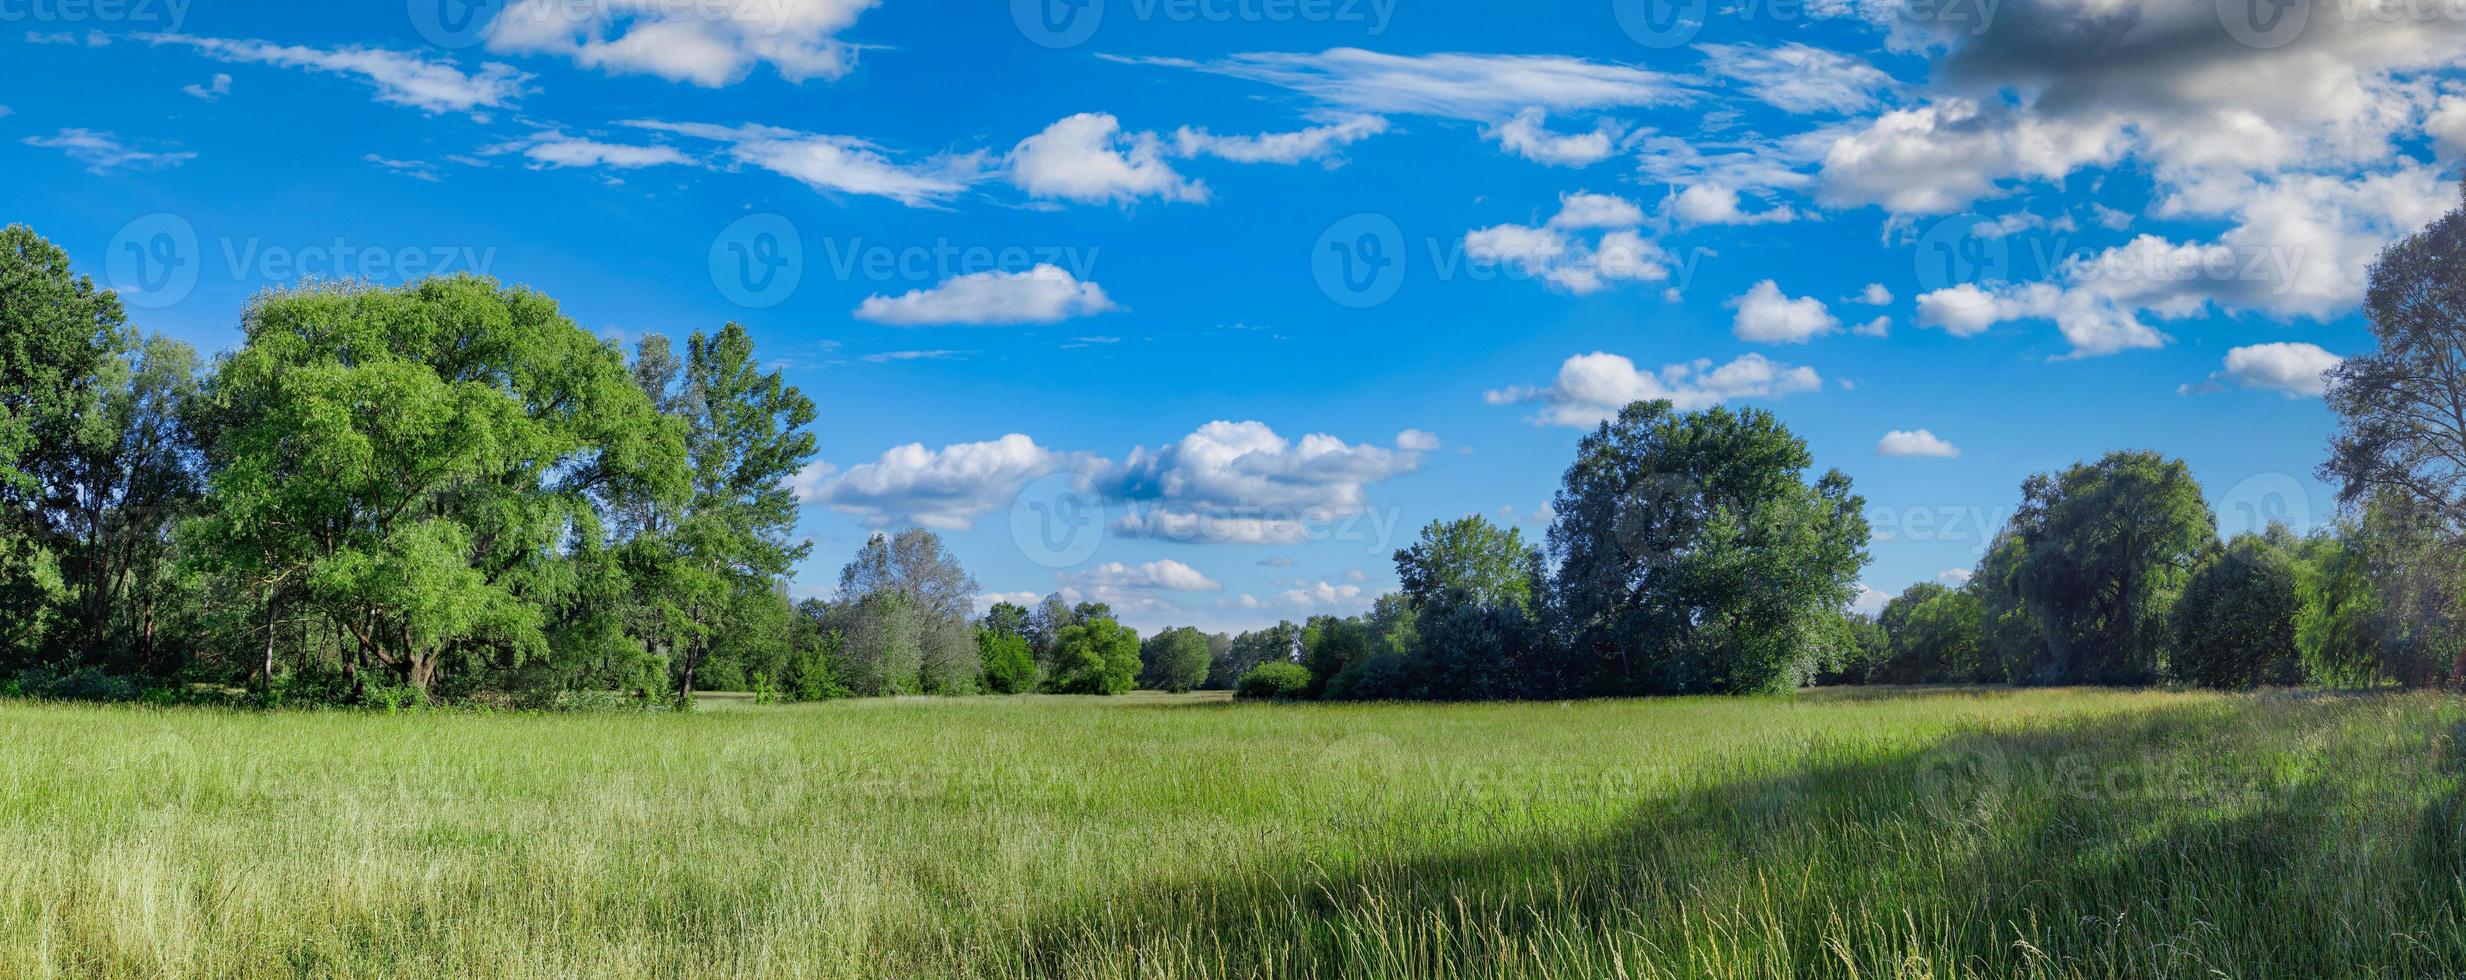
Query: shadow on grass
2261, 837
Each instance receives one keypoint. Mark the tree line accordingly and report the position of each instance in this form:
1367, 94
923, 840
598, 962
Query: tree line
450, 491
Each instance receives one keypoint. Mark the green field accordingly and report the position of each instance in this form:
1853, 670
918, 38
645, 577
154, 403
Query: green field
2045, 833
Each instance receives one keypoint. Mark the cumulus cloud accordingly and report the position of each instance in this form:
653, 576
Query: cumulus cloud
945, 489
429, 85
1242, 481
1591, 245
1767, 316
706, 44
1112, 580
2294, 370
1418, 441
1714, 204
1087, 158
1044, 294
212, 91
1527, 135
1593, 387
1917, 443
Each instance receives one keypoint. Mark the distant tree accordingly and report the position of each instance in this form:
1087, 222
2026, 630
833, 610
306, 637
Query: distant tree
2107, 548
1331, 645
1281, 642
1098, 657
1174, 660
1933, 635
2338, 626
1008, 665
1857, 649
1471, 560
2235, 625
127, 480
935, 597
1277, 681
1693, 555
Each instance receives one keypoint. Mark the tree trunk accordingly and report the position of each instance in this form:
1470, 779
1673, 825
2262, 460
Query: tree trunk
270, 610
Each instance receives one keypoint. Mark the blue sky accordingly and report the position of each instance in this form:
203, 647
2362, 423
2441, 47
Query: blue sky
1204, 307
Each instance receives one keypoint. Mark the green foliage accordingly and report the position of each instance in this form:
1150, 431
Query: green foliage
1330, 646
407, 463
2106, 547
1009, 664
1174, 660
1693, 556
1934, 635
2235, 625
1279, 681
1099, 656
1470, 560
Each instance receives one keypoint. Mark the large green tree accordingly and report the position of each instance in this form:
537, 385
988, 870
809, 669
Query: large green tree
1695, 555
1099, 656
2106, 547
732, 541
412, 464
1174, 660
2236, 623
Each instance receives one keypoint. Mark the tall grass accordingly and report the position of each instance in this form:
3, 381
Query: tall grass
2049, 833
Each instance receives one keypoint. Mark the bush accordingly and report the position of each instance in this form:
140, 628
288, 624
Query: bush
1279, 681
82, 684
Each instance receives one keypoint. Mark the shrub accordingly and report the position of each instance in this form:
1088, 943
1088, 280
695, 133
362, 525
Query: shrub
1279, 681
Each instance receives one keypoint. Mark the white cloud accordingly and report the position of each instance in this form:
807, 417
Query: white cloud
1767, 316
707, 44
1797, 78
1527, 135
414, 169
1938, 158
1087, 158
1870, 600
1313, 598
431, 86
103, 153
1875, 295
1879, 327
1475, 87
1241, 481
1713, 204
1594, 387
213, 90
1954, 577
840, 164
1314, 143
559, 150
1116, 578
1918, 443
1418, 441
2294, 370
1045, 294
944, 489
1558, 254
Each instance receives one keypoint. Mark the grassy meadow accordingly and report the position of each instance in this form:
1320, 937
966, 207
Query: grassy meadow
2053, 833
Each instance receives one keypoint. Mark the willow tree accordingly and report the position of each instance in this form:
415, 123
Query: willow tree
1695, 555
413, 464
